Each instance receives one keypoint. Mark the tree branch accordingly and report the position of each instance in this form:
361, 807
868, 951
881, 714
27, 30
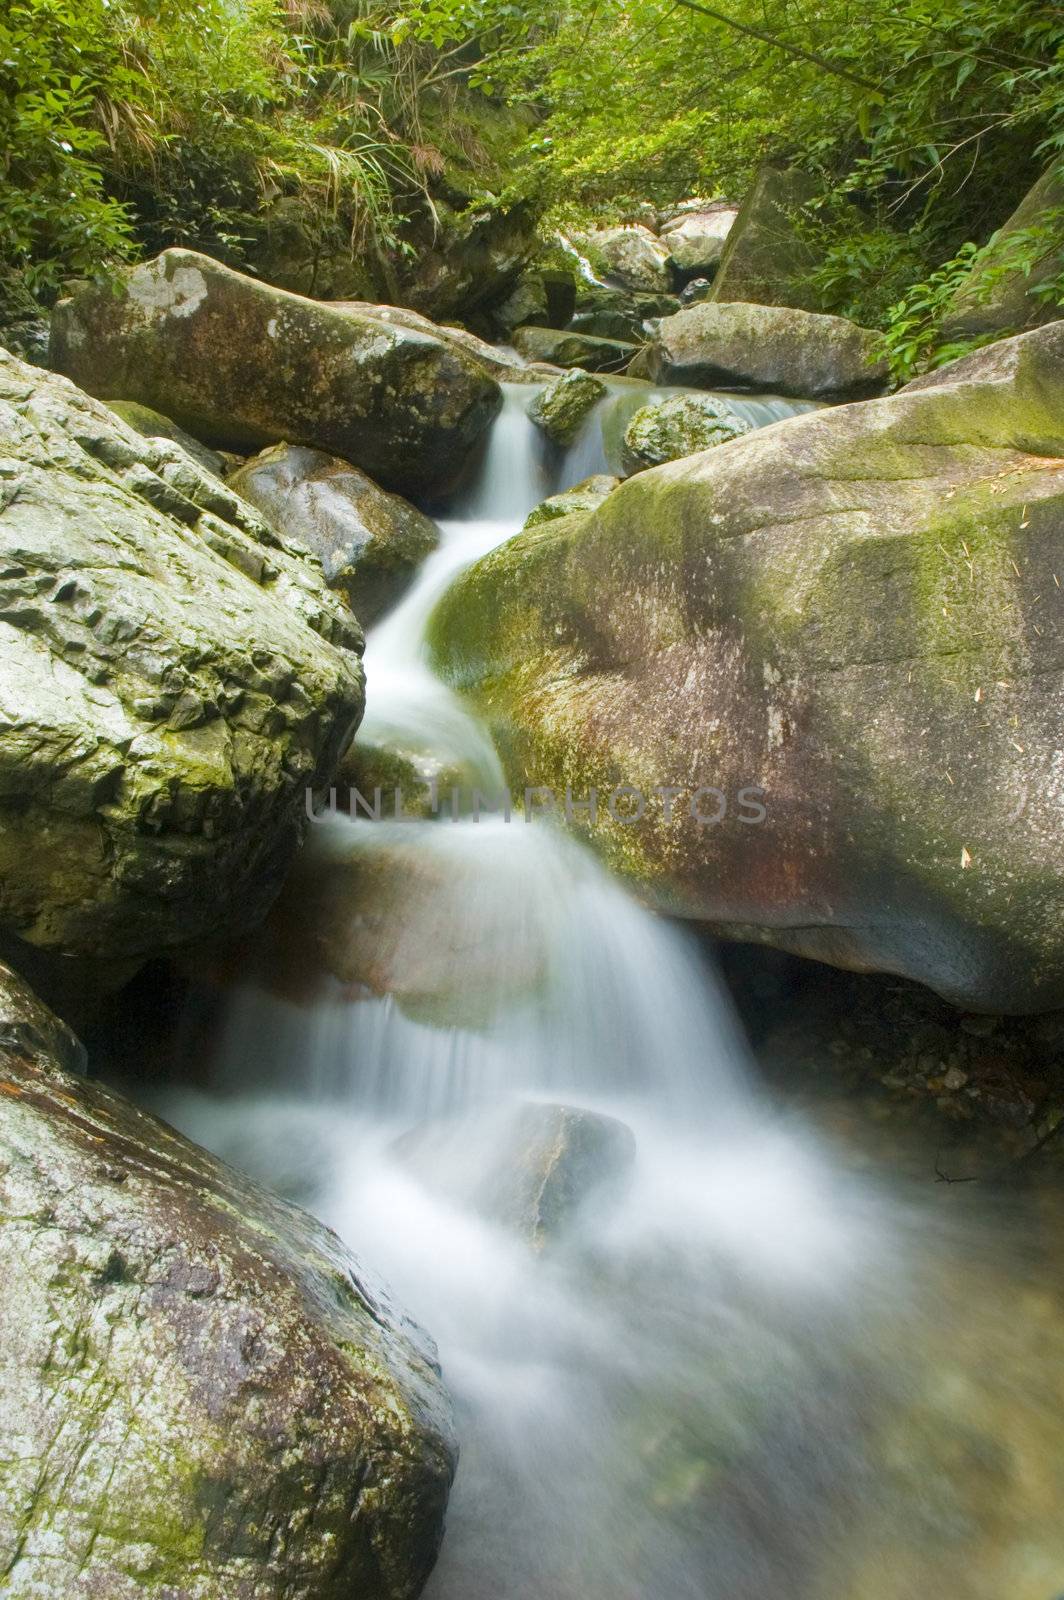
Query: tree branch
795, 50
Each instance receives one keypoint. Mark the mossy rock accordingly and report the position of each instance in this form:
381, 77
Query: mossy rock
174, 677
562, 348
202, 1393
240, 365
680, 426
153, 425
585, 496
853, 614
997, 298
767, 257
562, 408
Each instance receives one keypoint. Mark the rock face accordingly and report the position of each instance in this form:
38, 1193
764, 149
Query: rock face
766, 255
561, 408
696, 240
173, 676
566, 349
370, 543
983, 306
632, 256
679, 426
201, 1394
241, 365
711, 346
585, 496
844, 631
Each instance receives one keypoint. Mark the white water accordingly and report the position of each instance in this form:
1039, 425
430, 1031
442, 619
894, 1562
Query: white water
669, 1404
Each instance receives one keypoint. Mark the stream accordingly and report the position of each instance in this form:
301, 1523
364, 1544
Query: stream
744, 1369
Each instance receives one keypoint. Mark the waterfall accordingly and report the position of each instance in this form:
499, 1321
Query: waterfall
675, 1400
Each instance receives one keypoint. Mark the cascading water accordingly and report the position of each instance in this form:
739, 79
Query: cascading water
682, 1395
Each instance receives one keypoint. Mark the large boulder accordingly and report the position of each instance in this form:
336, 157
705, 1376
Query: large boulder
679, 426
695, 240
241, 365
202, 1393
998, 295
840, 639
629, 255
742, 346
562, 348
370, 543
500, 364
562, 408
767, 255
173, 677
608, 313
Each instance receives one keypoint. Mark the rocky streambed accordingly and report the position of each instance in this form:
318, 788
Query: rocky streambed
707, 1324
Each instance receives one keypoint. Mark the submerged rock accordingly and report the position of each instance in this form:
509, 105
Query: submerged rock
841, 639
790, 352
370, 543
561, 408
153, 425
241, 365
532, 1169
201, 1392
583, 496
566, 349
767, 257
999, 296
680, 426
173, 677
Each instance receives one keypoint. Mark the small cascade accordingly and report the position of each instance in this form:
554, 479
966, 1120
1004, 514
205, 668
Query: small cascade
597, 447
677, 1396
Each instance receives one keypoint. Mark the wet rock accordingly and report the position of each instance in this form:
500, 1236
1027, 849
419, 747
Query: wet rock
241, 365
999, 297
202, 1393
698, 289
853, 611
370, 543
679, 426
790, 352
631, 255
153, 425
173, 677
531, 1169
566, 349
562, 407
767, 257
585, 496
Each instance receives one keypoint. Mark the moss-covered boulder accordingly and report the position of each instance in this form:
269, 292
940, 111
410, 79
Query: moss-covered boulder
999, 296
173, 677
768, 255
562, 407
841, 640
562, 348
498, 363
370, 543
583, 496
683, 424
201, 1392
609, 313
153, 425
241, 365
741, 346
